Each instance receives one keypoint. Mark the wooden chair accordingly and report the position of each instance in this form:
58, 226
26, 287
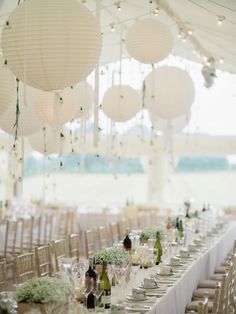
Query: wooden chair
59, 251
103, 237
47, 228
3, 270
114, 232
90, 246
37, 230
43, 260
133, 223
122, 227
74, 246
203, 306
67, 221
27, 234
11, 245
212, 306
24, 267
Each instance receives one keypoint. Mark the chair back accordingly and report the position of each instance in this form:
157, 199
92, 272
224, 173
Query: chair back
43, 260
203, 306
90, 246
59, 251
122, 227
74, 245
27, 234
2, 274
103, 237
114, 232
24, 267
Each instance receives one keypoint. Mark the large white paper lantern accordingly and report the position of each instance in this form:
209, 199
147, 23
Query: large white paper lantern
85, 99
169, 92
49, 141
170, 126
7, 87
121, 103
56, 108
51, 44
29, 122
149, 41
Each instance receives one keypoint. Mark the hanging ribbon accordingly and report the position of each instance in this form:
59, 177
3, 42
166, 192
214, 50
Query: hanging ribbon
96, 89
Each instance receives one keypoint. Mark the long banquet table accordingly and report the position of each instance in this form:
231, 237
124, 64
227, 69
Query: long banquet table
176, 298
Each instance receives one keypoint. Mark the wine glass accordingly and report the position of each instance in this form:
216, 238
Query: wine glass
86, 289
97, 291
110, 272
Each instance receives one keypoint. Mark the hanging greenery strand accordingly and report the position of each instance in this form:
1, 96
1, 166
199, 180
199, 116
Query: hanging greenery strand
16, 125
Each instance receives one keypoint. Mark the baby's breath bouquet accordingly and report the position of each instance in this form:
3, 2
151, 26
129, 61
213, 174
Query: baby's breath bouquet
44, 290
112, 255
148, 233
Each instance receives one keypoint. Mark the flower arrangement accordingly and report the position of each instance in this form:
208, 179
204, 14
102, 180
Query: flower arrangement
148, 233
44, 290
112, 255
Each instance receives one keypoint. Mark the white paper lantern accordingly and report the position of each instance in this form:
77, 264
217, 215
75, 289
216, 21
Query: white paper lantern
149, 41
49, 141
121, 103
29, 122
169, 92
170, 126
56, 109
51, 44
85, 99
7, 87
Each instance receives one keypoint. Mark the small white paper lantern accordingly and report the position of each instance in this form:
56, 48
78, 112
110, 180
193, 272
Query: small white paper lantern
121, 103
49, 141
85, 99
7, 87
170, 126
29, 122
56, 109
149, 41
51, 44
169, 92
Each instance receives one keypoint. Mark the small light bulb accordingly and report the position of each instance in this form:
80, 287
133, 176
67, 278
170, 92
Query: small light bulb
156, 11
184, 39
221, 19
118, 6
221, 60
112, 27
190, 31
180, 34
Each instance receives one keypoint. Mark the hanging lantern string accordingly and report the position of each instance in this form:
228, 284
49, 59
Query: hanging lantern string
96, 89
182, 27
16, 125
44, 140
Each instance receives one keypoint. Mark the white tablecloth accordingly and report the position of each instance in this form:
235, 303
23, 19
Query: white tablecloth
178, 296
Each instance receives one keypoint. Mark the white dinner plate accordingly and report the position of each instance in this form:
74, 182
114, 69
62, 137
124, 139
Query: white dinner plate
131, 298
155, 287
165, 275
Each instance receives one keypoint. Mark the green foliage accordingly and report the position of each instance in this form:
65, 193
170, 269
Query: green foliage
76, 164
44, 290
202, 163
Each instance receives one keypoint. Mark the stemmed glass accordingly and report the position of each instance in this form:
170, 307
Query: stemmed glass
86, 289
97, 291
110, 272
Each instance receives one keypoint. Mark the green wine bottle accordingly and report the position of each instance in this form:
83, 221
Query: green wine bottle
106, 296
158, 247
181, 229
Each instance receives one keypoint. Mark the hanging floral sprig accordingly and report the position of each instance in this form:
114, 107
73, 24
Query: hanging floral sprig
16, 125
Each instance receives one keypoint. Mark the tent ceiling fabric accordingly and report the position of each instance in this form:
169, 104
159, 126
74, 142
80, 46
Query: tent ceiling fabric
202, 16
